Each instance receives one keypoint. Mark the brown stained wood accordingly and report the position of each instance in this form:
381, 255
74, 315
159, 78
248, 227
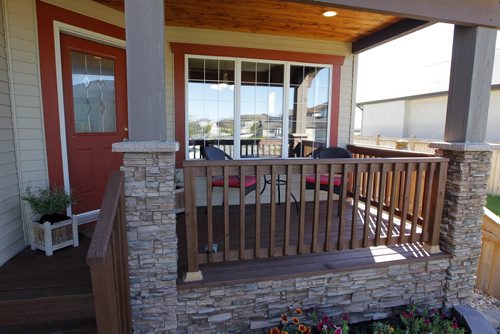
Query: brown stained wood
369, 184
392, 204
272, 226
437, 201
210, 228
105, 296
275, 17
278, 268
386, 152
380, 206
226, 212
302, 210
427, 201
242, 213
287, 209
314, 243
342, 207
357, 185
406, 198
191, 219
104, 227
125, 311
257, 213
329, 212
416, 203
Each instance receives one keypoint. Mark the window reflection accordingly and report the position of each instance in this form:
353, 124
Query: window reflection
308, 109
210, 105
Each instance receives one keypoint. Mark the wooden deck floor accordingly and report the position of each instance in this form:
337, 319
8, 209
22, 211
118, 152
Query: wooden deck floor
245, 270
47, 294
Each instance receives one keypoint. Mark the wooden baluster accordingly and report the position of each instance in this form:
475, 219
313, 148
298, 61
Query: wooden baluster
227, 248
416, 203
272, 223
369, 183
380, 208
257, 212
405, 202
343, 198
210, 230
424, 237
286, 238
329, 210
302, 209
314, 238
358, 182
242, 212
392, 207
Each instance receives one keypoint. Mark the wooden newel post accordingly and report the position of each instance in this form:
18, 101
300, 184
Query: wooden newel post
193, 273
437, 203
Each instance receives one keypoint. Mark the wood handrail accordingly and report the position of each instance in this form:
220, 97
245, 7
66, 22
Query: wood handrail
101, 238
376, 151
108, 260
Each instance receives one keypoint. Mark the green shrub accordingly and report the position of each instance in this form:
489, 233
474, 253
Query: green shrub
49, 201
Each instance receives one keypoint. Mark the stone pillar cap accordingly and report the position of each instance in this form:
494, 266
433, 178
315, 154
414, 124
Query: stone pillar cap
146, 146
464, 146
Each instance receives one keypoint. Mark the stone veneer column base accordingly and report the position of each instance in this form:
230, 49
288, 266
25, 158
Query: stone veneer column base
465, 197
151, 232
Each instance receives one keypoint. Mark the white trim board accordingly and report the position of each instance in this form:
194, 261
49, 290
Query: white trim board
60, 27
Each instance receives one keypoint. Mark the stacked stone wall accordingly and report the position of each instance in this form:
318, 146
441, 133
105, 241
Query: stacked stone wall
465, 197
364, 294
151, 233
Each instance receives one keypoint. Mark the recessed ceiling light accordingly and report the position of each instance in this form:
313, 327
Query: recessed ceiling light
329, 13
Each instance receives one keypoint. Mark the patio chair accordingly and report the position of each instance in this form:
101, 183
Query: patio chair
324, 181
213, 153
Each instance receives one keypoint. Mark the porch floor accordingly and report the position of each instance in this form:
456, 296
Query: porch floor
242, 271
47, 294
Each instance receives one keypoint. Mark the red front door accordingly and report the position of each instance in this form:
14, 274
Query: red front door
95, 107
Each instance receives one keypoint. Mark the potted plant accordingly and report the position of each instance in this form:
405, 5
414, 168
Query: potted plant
52, 229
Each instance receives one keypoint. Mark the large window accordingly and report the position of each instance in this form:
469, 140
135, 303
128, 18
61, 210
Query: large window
255, 108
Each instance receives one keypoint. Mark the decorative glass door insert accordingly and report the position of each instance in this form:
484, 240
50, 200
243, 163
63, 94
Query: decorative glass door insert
93, 93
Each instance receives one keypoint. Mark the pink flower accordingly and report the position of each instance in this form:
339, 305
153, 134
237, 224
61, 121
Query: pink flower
345, 317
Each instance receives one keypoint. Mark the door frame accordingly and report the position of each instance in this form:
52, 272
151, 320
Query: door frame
59, 28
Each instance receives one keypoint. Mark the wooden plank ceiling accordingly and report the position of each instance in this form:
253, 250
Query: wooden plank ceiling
274, 17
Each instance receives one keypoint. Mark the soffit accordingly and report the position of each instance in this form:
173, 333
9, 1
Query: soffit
272, 17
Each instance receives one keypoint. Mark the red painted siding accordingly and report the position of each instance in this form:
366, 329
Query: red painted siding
46, 15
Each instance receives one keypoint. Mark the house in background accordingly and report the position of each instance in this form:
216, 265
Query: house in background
69, 95
421, 112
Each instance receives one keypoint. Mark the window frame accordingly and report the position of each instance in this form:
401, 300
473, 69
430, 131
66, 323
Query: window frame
237, 98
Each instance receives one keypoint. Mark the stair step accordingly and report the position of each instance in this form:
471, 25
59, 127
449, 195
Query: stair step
46, 309
80, 326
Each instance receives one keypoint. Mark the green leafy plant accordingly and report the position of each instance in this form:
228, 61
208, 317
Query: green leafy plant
48, 203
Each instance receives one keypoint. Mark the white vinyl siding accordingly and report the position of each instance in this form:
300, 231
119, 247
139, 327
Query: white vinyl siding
11, 225
26, 92
346, 101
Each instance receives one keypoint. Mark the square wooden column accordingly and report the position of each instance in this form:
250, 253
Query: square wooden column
145, 26
469, 157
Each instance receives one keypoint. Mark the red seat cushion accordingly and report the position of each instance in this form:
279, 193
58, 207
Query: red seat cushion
234, 181
323, 179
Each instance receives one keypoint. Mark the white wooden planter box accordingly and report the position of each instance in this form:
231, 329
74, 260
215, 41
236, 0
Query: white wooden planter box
50, 237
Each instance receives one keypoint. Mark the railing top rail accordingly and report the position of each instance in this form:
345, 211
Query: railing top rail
104, 227
385, 152
306, 161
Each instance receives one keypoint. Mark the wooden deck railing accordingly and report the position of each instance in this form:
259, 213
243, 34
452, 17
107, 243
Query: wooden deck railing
321, 225
108, 261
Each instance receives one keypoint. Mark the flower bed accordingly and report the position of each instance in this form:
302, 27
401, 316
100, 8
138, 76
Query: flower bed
413, 320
